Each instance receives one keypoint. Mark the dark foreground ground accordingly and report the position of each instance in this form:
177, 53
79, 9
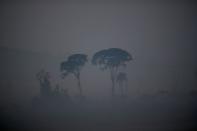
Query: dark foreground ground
161, 113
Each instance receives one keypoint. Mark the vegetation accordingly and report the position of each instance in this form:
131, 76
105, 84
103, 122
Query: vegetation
111, 59
122, 82
45, 85
73, 66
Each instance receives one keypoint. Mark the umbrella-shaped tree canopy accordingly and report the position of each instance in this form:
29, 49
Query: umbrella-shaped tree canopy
73, 64
112, 57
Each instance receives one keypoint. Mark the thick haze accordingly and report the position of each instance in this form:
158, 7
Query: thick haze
161, 36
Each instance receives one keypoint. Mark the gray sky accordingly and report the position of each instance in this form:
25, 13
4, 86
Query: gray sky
161, 36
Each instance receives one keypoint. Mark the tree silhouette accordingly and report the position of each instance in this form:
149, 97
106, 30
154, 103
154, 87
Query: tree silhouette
122, 81
73, 66
56, 91
111, 59
43, 78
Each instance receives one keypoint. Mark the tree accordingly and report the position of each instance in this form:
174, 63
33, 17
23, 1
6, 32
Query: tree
111, 59
122, 81
73, 66
43, 78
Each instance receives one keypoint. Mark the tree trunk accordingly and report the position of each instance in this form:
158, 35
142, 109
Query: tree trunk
121, 88
113, 81
126, 88
79, 85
